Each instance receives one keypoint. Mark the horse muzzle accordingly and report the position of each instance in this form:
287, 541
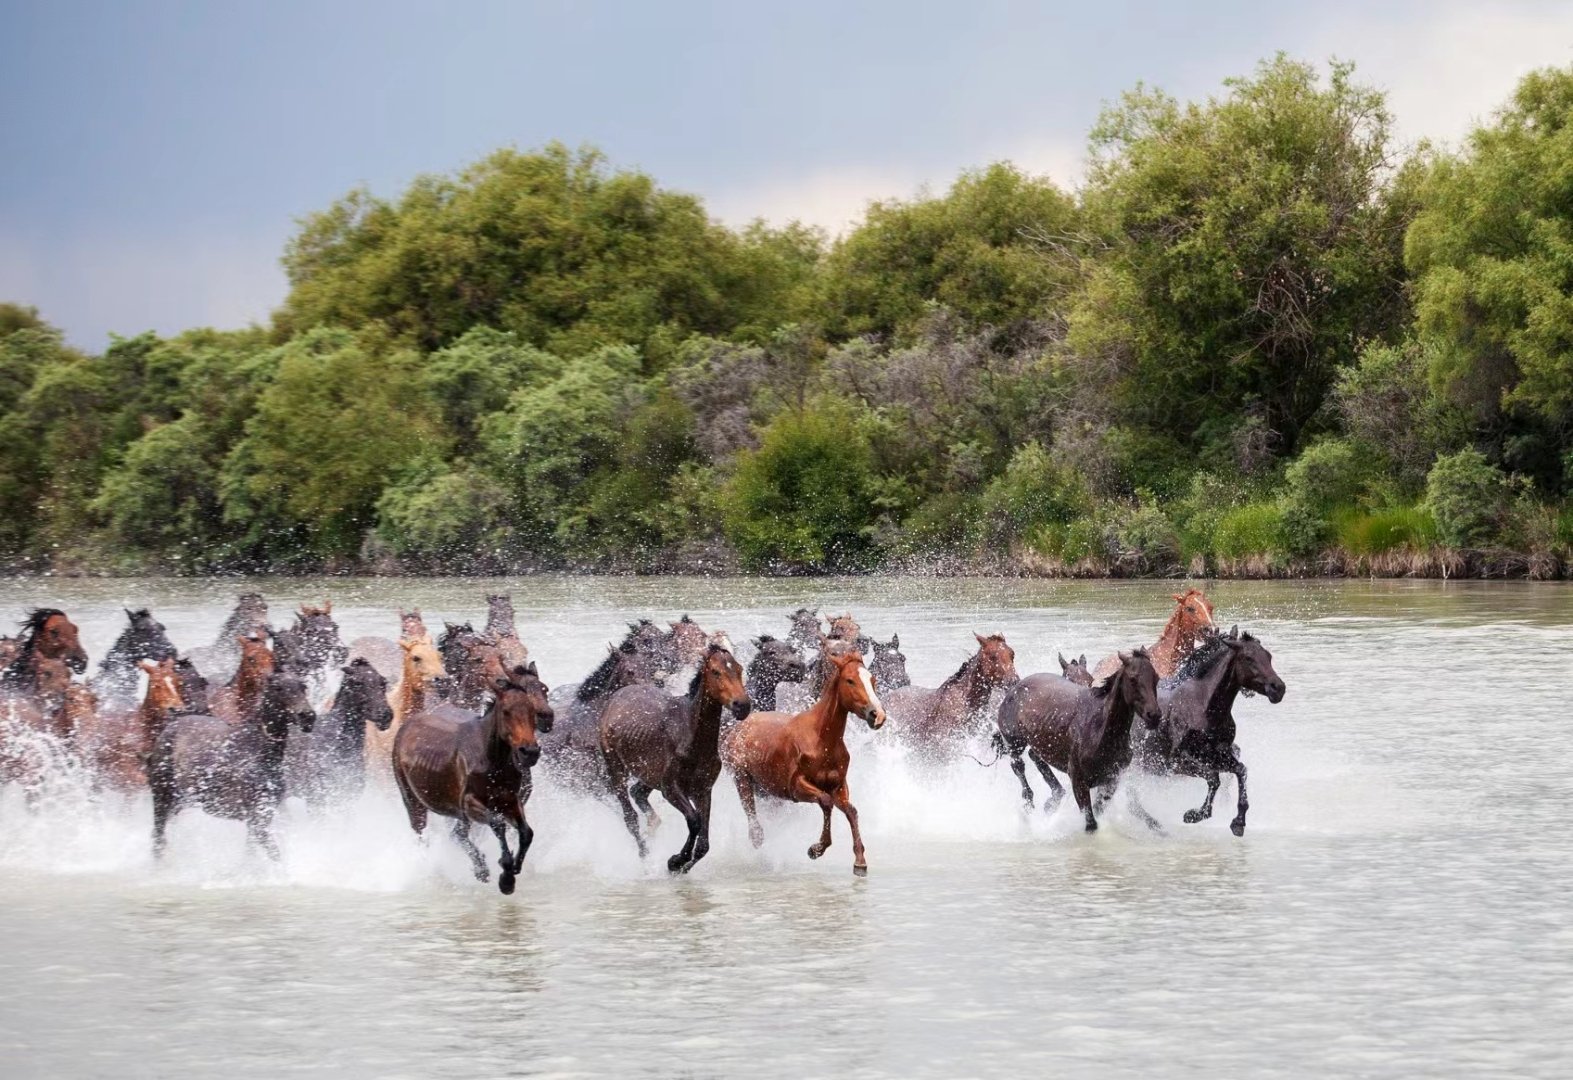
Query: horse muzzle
77, 662
544, 720
383, 720
1275, 691
741, 708
875, 718
1153, 718
528, 755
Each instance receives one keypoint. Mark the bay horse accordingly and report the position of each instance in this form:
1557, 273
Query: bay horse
775, 661
1085, 732
46, 633
329, 764
1076, 670
1197, 733
574, 744
230, 771
941, 719
237, 700
115, 742
473, 661
657, 742
803, 757
476, 768
1193, 616
144, 638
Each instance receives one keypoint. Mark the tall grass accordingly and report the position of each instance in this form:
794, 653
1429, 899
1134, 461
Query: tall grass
1380, 531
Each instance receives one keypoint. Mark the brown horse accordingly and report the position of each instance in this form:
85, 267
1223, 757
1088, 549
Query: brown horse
115, 743
476, 768
1196, 736
46, 634
1085, 732
804, 758
502, 628
237, 701
672, 745
845, 628
940, 720
1076, 670
1193, 616
573, 747
473, 660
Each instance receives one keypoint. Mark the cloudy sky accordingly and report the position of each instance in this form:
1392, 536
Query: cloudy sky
156, 154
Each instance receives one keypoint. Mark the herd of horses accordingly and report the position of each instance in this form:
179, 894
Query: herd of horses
458, 724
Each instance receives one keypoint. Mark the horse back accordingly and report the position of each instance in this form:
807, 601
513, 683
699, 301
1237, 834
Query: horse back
1041, 712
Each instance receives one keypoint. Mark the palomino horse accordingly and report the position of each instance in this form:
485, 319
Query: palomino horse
230, 771
419, 687
774, 662
144, 638
803, 758
1196, 736
672, 745
1193, 616
329, 764
115, 743
473, 660
942, 719
46, 634
1076, 670
476, 768
1085, 732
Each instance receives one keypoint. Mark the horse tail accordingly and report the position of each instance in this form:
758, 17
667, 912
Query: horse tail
1000, 747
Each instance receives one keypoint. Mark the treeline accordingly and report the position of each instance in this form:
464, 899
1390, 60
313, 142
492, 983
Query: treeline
1261, 338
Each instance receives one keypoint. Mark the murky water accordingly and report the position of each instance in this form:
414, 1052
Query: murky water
1398, 907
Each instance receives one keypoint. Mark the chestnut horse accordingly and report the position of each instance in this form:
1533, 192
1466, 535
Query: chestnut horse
1193, 615
1196, 736
1085, 732
115, 743
476, 768
803, 758
672, 745
46, 633
237, 700
942, 719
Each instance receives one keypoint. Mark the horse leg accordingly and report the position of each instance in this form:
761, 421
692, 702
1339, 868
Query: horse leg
259, 827
843, 798
702, 841
163, 809
1136, 806
619, 781
680, 863
1056, 789
803, 791
412, 805
1205, 811
746, 795
1083, 797
1019, 767
511, 863
1237, 826
461, 833
641, 794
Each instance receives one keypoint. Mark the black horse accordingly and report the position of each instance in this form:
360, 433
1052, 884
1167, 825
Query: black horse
1197, 732
144, 638
329, 764
230, 771
312, 645
889, 665
774, 662
572, 748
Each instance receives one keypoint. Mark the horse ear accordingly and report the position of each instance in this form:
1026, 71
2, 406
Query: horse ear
1234, 631
327, 607
1124, 657
1063, 664
530, 669
1083, 660
981, 639
452, 628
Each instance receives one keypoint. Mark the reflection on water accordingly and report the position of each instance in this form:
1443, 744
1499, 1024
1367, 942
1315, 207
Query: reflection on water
1397, 906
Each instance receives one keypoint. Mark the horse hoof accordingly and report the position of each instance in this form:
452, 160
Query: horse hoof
1193, 816
506, 883
859, 871
1092, 826
1237, 827
757, 839
815, 852
676, 865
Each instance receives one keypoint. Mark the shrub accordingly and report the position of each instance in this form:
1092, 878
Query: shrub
1387, 530
435, 513
1033, 490
1252, 529
1468, 496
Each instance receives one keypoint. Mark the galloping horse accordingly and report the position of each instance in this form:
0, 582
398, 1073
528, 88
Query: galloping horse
312, 645
250, 617
889, 665
775, 662
115, 743
803, 758
473, 660
476, 768
940, 720
144, 638
574, 744
418, 688
237, 701
1076, 670
671, 745
46, 634
230, 771
1193, 616
1085, 732
329, 764
1196, 735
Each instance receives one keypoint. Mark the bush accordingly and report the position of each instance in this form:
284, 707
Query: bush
1034, 490
436, 514
1328, 475
1468, 496
804, 498
945, 523
1382, 531
1252, 529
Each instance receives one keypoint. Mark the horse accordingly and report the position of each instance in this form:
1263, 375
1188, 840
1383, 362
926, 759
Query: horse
37, 726
803, 757
845, 628
329, 764
672, 745
144, 638
1075, 671
889, 665
230, 771
1196, 734
115, 743
476, 768
473, 660
46, 633
193, 687
504, 630
237, 700
944, 717
312, 645
250, 617
774, 662
420, 681
806, 629
1085, 732
574, 743
1193, 615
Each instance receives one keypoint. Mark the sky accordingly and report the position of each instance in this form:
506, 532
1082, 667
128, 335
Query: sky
157, 154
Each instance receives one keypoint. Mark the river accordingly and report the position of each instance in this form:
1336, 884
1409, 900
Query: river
1397, 907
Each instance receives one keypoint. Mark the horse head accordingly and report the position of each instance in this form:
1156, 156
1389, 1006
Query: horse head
1076, 670
721, 678
889, 666
845, 628
363, 694
778, 660
163, 686
1137, 684
144, 639
318, 637
853, 687
285, 702
519, 710
193, 688
1253, 666
411, 625
48, 632
996, 660
422, 661
686, 642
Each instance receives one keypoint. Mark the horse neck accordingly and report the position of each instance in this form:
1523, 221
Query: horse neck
499, 751
347, 729
704, 714
412, 690
830, 716
1219, 688
1116, 714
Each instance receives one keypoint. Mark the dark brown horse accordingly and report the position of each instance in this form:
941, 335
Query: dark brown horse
939, 721
329, 764
473, 661
230, 771
312, 646
803, 757
472, 768
1076, 670
1196, 735
46, 633
1085, 732
144, 638
672, 745
573, 748
774, 662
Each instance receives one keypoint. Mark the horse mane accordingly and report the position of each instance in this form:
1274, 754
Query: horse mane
595, 683
27, 643
966, 667
1102, 687
1202, 659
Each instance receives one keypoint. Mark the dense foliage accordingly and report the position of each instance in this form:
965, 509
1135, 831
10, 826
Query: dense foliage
1258, 338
